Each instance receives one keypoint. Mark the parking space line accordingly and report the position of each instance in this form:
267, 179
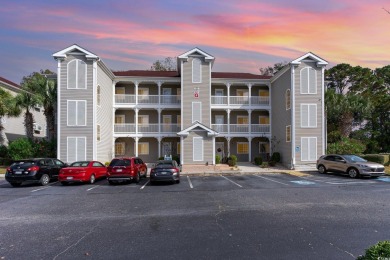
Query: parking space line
93, 187
144, 185
189, 181
271, 180
352, 182
45, 187
231, 181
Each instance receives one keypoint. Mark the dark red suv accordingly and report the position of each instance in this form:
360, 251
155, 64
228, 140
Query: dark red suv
126, 170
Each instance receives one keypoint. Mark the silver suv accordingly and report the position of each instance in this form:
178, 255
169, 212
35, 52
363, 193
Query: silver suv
352, 165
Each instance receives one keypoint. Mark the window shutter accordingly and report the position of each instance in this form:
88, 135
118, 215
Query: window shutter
72, 74
81, 74
81, 149
72, 113
305, 149
81, 108
312, 115
72, 149
198, 149
304, 115
309, 149
305, 80
196, 111
312, 81
313, 149
196, 71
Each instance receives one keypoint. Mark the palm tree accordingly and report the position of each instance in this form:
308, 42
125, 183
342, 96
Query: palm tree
27, 101
7, 108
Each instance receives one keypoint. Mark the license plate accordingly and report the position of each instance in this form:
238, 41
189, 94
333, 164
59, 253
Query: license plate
163, 173
119, 170
69, 178
18, 172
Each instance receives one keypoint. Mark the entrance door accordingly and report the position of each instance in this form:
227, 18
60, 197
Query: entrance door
220, 149
167, 148
167, 92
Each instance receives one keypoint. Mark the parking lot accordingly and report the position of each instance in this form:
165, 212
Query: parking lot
247, 216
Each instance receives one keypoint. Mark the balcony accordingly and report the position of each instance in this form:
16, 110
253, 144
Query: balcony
146, 128
241, 129
240, 100
124, 99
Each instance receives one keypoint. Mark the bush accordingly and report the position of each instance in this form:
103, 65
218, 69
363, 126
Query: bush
20, 149
3, 151
107, 163
264, 165
378, 158
44, 148
232, 160
217, 158
346, 146
258, 160
271, 163
275, 157
379, 251
161, 158
176, 158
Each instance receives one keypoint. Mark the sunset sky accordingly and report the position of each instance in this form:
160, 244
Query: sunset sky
242, 35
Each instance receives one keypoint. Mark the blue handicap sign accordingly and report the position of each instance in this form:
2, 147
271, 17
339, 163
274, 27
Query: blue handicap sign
304, 182
385, 179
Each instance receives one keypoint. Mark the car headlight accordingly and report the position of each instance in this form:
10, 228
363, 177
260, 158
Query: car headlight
363, 165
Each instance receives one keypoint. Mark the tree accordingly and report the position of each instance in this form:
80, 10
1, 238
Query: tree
46, 93
271, 71
7, 108
26, 101
167, 64
338, 77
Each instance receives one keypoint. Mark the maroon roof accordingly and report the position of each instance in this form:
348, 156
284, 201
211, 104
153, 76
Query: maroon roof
224, 75
9, 82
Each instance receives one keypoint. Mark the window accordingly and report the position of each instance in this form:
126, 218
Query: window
197, 148
243, 93
76, 149
196, 111
309, 148
308, 81
120, 90
196, 71
143, 94
288, 99
309, 115
77, 110
143, 148
263, 120
242, 120
178, 119
243, 148
77, 74
119, 119
97, 164
98, 95
143, 119
263, 93
98, 133
119, 148
288, 133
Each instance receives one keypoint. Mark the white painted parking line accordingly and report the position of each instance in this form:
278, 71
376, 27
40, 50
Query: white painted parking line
144, 185
189, 181
231, 181
45, 187
352, 182
93, 187
271, 180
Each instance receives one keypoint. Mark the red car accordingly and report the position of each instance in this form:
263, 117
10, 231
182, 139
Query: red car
82, 171
126, 170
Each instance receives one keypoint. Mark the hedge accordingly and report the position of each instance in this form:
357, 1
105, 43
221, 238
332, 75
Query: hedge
378, 158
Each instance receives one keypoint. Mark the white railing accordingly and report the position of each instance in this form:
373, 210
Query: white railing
239, 128
219, 100
147, 99
239, 100
124, 128
124, 99
221, 128
170, 128
170, 99
260, 101
147, 128
260, 128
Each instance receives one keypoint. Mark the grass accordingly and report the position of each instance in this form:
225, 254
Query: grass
387, 170
2, 169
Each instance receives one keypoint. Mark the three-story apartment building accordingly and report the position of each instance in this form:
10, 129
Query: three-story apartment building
193, 112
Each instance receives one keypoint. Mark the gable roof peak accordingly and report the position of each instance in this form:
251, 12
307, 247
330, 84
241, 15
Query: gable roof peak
320, 62
63, 53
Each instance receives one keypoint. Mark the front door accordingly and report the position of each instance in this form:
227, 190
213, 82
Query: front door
220, 149
167, 148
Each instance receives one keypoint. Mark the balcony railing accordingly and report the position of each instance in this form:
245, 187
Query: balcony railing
240, 100
146, 128
240, 128
147, 99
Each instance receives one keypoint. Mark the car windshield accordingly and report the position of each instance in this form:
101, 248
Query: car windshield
79, 164
119, 162
164, 165
354, 158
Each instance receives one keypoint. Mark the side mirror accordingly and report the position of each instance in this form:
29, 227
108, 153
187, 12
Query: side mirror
343, 161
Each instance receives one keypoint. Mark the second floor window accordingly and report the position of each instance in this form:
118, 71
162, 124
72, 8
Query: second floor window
288, 99
77, 110
308, 81
196, 71
77, 74
309, 115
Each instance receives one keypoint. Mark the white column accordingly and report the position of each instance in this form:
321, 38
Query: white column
59, 111
159, 146
250, 149
136, 121
213, 150
250, 121
136, 146
136, 92
228, 93
228, 121
113, 148
228, 146
159, 92
159, 120
250, 93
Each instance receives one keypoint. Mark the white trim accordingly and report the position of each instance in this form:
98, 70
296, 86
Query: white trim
181, 113
320, 62
210, 132
188, 53
77, 148
77, 106
323, 112
63, 53
94, 108
308, 81
76, 74
242, 143
197, 152
309, 106
59, 109
200, 70
309, 152
293, 116
209, 113
113, 120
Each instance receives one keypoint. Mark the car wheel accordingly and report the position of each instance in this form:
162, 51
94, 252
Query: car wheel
145, 174
322, 169
45, 179
177, 181
353, 173
92, 179
111, 182
65, 183
15, 184
137, 178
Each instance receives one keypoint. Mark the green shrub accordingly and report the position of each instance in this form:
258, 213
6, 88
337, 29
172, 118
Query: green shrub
379, 251
258, 160
271, 163
3, 151
217, 158
387, 158
176, 158
44, 148
346, 146
264, 165
107, 163
20, 149
161, 158
232, 160
334, 136
378, 158
275, 157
